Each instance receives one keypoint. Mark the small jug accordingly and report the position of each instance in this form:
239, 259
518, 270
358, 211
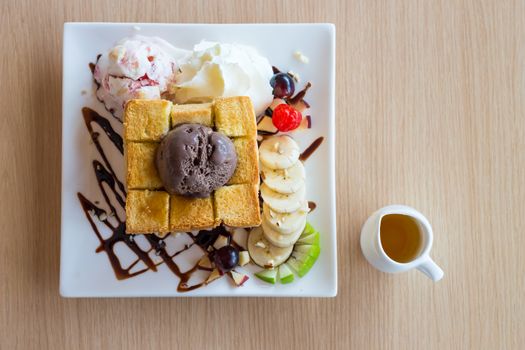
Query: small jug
372, 246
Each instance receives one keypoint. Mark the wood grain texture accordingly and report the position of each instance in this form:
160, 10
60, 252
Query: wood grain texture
430, 113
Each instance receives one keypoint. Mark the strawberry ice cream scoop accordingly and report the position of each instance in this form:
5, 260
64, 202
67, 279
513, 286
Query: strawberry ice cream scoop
136, 67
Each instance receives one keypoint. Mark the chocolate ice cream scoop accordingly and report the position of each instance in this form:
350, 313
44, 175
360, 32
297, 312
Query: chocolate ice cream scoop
193, 160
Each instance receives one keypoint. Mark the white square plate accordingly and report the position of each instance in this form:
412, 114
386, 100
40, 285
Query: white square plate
85, 273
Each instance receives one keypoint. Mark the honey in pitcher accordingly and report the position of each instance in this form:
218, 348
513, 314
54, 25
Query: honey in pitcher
401, 237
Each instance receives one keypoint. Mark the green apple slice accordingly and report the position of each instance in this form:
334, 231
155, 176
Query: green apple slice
305, 258
308, 229
267, 275
305, 252
312, 238
301, 267
308, 249
285, 274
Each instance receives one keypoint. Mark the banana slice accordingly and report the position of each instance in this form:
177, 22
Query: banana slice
263, 253
284, 180
279, 152
285, 223
278, 239
283, 203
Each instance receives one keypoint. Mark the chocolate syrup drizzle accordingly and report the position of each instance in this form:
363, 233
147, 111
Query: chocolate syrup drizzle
106, 175
300, 96
311, 149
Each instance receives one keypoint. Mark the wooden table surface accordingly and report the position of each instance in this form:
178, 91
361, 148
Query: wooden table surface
430, 113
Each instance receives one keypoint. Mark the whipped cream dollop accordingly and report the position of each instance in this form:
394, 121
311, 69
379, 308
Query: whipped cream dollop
136, 67
224, 70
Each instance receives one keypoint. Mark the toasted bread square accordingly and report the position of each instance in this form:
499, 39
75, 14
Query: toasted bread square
247, 170
147, 211
192, 113
141, 169
235, 116
187, 214
238, 205
146, 120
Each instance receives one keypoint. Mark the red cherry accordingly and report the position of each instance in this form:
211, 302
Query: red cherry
286, 118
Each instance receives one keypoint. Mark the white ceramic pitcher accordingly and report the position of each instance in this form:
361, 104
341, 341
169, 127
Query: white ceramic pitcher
374, 253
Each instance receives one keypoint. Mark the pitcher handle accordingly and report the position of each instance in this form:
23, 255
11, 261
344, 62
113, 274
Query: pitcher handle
431, 270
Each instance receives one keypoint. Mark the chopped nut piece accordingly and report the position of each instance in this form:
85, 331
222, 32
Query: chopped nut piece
300, 57
295, 76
